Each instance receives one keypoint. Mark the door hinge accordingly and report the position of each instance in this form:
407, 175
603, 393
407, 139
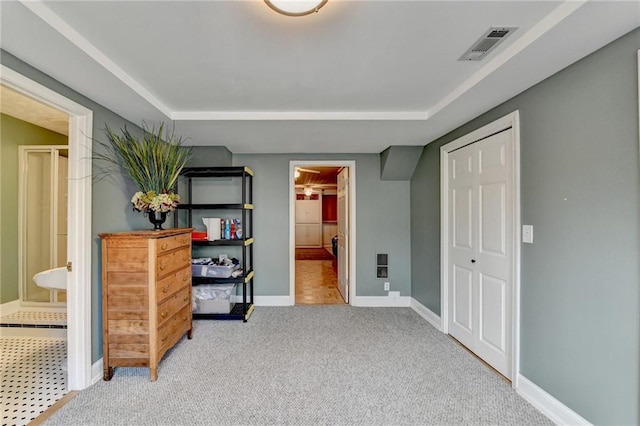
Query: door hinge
69, 266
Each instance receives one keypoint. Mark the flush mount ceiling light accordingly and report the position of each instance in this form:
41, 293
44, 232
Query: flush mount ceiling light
308, 191
295, 7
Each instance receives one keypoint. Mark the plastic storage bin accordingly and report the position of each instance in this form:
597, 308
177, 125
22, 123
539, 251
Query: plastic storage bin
212, 271
213, 298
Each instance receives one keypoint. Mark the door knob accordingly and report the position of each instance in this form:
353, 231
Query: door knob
473, 261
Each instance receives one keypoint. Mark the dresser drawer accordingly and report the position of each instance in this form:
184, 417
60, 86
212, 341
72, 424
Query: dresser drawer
172, 262
168, 244
173, 305
173, 330
168, 285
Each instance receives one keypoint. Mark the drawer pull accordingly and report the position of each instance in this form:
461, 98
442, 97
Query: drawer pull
164, 314
163, 266
184, 318
164, 246
164, 337
185, 256
185, 278
165, 288
185, 298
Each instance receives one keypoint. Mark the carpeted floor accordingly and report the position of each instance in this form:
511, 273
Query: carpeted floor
308, 365
313, 254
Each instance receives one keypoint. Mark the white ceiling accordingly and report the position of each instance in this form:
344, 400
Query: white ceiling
358, 76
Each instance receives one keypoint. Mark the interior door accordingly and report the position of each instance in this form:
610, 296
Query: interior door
343, 233
480, 247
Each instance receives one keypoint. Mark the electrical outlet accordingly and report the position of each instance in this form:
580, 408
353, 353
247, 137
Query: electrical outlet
387, 285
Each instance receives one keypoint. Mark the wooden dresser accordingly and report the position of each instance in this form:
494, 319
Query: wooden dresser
146, 296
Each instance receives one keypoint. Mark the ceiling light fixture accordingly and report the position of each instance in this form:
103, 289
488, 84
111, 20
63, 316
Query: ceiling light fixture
296, 7
296, 174
308, 191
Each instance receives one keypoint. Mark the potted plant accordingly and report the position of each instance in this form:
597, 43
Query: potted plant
153, 162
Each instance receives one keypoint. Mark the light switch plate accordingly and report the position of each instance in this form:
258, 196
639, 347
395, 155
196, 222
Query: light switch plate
527, 234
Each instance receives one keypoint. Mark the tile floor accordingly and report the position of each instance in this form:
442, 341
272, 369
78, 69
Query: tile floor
32, 369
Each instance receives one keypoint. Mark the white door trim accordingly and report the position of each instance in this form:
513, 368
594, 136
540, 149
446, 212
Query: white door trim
351, 164
509, 121
79, 247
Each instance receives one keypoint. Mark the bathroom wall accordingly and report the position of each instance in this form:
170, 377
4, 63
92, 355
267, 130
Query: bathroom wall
14, 132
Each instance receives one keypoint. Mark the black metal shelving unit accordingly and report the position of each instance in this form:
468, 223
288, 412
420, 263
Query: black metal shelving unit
241, 311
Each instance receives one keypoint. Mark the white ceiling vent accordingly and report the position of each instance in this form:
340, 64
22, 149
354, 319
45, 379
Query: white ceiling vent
485, 44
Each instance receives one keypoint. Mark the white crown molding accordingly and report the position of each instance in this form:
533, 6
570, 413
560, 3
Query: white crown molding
39, 9
299, 115
565, 9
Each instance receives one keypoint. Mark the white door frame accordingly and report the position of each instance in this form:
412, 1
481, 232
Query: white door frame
509, 121
351, 164
79, 222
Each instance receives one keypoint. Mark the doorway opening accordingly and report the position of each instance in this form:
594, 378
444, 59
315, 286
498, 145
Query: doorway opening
78, 247
322, 223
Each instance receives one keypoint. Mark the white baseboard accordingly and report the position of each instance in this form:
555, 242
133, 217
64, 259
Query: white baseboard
96, 371
10, 307
272, 300
15, 306
555, 410
370, 301
265, 300
426, 313
382, 301
41, 333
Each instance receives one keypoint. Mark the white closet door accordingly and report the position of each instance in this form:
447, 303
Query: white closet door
480, 241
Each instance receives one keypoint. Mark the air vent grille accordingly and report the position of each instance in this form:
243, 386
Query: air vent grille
485, 44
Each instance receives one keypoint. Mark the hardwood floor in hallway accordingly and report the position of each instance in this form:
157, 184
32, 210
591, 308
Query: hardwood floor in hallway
317, 283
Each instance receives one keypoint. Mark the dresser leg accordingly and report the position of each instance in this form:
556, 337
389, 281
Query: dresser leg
154, 373
190, 333
108, 374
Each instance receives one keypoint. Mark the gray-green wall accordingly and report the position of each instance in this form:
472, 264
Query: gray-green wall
580, 189
15, 132
382, 223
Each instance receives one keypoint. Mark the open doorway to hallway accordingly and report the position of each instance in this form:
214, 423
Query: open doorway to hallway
316, 230
319, 224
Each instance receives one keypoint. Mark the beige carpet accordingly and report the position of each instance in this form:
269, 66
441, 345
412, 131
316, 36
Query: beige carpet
308, 365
